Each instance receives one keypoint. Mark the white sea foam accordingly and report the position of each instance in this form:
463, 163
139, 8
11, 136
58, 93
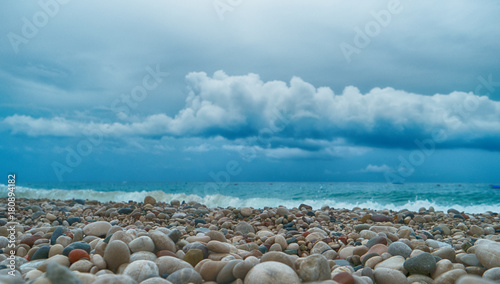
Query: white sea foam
219, 200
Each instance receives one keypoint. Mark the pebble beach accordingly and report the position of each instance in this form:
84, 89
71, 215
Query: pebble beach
157, 241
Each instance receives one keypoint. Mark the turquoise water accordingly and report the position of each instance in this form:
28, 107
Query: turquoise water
471, 198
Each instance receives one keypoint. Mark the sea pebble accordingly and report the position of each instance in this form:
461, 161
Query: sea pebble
76, 245
142, 243
314, 268
244, 228
82, 265
424, 264
169, 264
241, 269
389, 276
99, 228
77, 254
218, 247
450, 276
445, 252
116, 253
278, 257
141, 269
271, 273
185, 276
114, 279
399, 248
488, 253
162, 241
41, 253
59, 274
395, 262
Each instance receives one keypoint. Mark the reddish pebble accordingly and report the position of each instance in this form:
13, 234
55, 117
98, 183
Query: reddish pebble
343, 239
77, 254
30, 240
344, 278
305, 234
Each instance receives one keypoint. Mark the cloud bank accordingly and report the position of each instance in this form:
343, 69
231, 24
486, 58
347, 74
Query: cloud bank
298, 115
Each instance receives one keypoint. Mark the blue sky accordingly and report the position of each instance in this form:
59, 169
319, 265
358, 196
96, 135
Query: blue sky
250, 90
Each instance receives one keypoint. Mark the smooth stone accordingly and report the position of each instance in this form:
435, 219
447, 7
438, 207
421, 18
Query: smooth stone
116, 253
492, 274
141, 270
442, 266
55, 250
373, 261
41, 253
226, 274
361, 227
98, 261
162, 241
376, 240
114, 279
244, 228
170, 264
278, 257
142, 243
314, 268
395, 262
420, 279
193, 256
367, 234
488, 253
77, 245
156, 280
218, 247
143, 255
196, 245
72, 220
399, 248
29, 240
175, 235
185, 276
149, 200
473, 279
241, 269
210, 269
380, 218
320, 247
246, 211
81, 265
346, 278
470, 259
424, 264
389, 276
342, 262
77, 254
378, 249
59, 274
216, 236
57, 232
446, 252
99, 228
450, 276
271, 272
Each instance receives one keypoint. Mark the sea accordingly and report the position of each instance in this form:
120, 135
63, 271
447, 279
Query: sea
466, 197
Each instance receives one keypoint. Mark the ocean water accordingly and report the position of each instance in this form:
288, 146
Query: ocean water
470, 198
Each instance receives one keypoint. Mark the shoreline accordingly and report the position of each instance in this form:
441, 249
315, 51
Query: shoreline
117, 240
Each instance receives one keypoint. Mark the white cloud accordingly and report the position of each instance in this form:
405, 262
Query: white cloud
200, 148
245, 106
377, 169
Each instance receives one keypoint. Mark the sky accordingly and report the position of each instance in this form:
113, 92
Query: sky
239, 90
